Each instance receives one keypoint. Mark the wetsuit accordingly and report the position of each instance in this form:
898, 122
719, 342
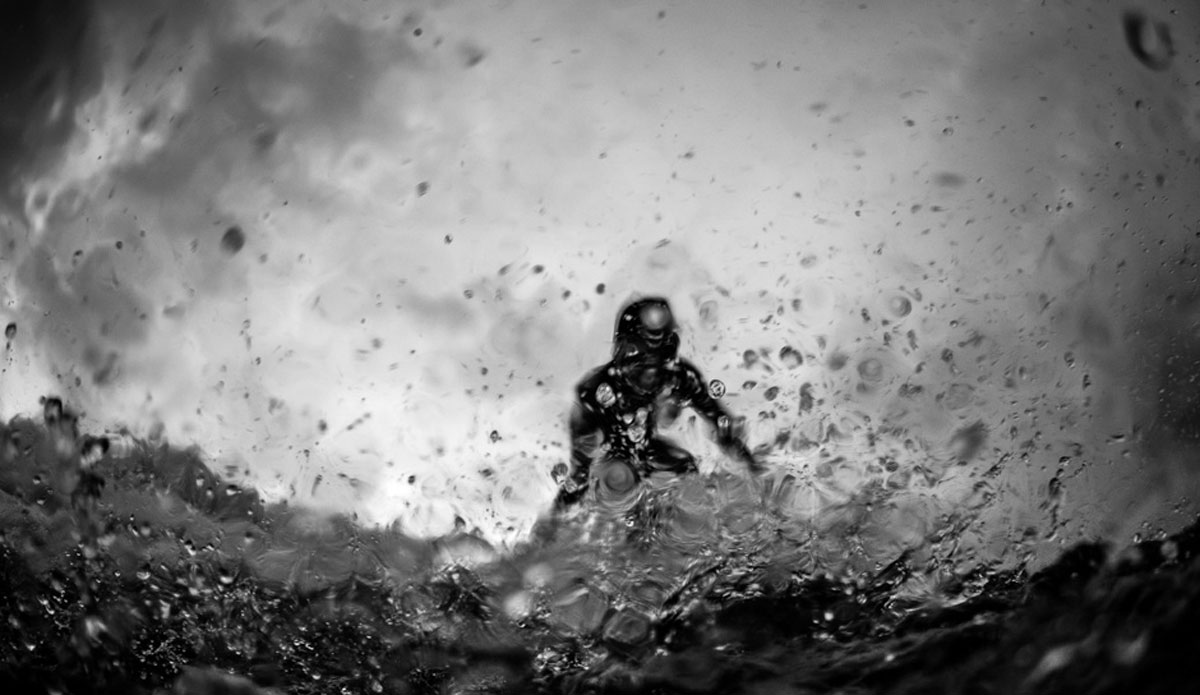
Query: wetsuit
617, 405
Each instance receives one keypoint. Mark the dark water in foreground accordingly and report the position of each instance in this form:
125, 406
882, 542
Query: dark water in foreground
165, 579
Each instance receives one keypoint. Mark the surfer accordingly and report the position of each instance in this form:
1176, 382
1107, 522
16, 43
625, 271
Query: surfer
613, 421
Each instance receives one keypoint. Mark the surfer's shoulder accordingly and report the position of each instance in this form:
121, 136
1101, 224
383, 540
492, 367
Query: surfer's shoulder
585, 390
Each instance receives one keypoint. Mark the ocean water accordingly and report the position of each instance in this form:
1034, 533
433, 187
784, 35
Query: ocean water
295, 295
164, 578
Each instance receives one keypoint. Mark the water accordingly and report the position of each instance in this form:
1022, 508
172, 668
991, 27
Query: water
314, 281
164, 576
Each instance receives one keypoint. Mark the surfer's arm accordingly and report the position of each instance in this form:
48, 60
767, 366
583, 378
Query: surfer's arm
587, 435
726, 428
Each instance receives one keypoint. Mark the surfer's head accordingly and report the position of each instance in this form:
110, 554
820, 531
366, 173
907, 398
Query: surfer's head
646, 329
644, 342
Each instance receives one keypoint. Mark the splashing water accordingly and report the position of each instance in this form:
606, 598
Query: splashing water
163, 573
313, 285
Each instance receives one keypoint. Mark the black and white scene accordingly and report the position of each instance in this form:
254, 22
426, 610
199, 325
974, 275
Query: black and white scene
495, 347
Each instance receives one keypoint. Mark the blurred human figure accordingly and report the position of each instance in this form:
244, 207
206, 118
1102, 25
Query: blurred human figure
613, 421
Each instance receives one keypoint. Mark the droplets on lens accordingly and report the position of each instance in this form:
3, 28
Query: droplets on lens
790, 357
870, 369
899, 306
616, 479
1148, 39
605, 396
233, 240
708, 315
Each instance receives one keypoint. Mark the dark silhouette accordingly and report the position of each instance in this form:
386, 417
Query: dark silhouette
616, 406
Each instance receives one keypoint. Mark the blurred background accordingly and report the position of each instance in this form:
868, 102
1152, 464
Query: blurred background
941, 254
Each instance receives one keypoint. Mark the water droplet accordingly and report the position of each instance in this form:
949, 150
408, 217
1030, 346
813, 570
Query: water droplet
958, 396
949, 179
233, 240
790, 357
968, 440
708, 315
605, 396
52, 411
628, 628
538, 575
716, 388
870, 369
900, 306
616, 478
94, 627
518, 604
580, 610
806, 398
1148, 39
